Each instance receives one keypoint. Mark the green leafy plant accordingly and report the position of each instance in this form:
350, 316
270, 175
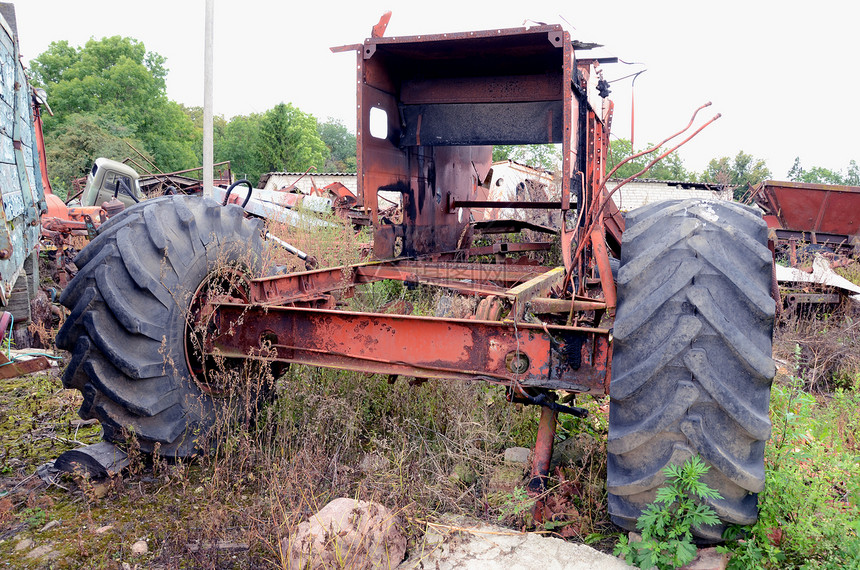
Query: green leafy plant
33, 516
667, 540
808, 511
750, 547
516, 503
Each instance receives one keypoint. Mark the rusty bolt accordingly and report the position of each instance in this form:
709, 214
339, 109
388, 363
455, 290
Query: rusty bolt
517, 362
5, 253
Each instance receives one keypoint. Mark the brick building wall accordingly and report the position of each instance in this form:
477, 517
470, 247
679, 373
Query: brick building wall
641, 192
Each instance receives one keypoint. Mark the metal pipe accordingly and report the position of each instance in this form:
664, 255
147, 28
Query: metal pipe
292, 249
543, 449
208, 129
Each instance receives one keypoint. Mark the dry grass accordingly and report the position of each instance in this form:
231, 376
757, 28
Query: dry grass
851, 272
329, 434
829, 348
325, 238
285, 446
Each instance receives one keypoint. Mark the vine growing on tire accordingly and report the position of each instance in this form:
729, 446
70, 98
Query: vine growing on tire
129, 328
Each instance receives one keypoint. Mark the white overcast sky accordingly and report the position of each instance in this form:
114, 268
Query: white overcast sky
783, 74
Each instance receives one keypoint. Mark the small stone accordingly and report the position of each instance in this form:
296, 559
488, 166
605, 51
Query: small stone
517, 454
49, 526
506, 478
708, 559
41, 551
346, 533
464, 474
103, 529
25, 544
139, 548
126, 566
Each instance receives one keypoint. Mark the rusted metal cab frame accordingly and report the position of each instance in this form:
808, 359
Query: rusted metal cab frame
447, 99
444, 100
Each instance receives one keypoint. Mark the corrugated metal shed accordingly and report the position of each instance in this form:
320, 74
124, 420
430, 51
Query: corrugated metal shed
305, 183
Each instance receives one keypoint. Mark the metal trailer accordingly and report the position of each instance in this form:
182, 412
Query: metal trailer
680, 340
807, 222
819, 214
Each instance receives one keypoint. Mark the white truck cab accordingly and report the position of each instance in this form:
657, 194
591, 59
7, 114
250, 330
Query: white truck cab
109, 178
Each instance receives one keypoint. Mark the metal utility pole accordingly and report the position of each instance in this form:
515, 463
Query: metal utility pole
208, 131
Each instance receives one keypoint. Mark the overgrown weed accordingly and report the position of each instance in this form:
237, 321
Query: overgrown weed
324, 237
851, 272
811, 502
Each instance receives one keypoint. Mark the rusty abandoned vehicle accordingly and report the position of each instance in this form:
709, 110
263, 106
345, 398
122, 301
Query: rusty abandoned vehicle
669, 309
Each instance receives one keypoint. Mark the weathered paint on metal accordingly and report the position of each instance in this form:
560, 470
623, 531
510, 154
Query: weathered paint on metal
814, 209
429, 107
11, 369
601, 260
445, 99
543, 449
20, 177
425, 347
309, 285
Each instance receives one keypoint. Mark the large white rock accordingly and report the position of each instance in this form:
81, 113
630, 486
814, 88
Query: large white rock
467, 544
347, 533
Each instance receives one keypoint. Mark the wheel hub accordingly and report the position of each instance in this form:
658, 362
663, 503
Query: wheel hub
212, 373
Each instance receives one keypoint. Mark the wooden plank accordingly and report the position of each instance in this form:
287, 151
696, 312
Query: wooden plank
537, 287
10, 369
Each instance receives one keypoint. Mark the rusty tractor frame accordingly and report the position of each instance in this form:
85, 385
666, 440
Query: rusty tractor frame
691, 342
444, 100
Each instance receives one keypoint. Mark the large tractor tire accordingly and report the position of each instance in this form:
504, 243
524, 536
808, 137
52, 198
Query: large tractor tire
129, 326
691, 364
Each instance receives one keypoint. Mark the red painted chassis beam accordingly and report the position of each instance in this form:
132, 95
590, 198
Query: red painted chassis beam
425, 347
307, 285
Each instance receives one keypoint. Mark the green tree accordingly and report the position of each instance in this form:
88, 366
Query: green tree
796, 170
819, 175
79, 138
219, 124
670, 168
742, 172
852, 178
546, 156
117, 80
288, 140
238, 144
50, 67
341, 145
282, 138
